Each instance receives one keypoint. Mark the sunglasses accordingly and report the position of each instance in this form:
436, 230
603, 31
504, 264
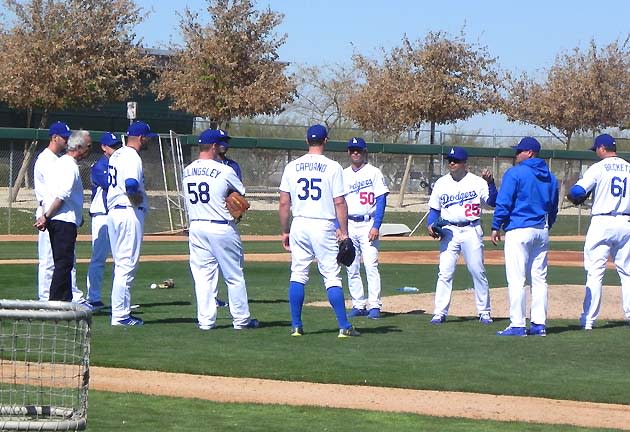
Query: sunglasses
455, 161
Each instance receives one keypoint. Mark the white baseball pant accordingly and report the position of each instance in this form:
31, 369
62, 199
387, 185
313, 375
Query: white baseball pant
615, 230
467, 241
125, 227
100, 250
215, 247
526, 254
358, 232
314, 238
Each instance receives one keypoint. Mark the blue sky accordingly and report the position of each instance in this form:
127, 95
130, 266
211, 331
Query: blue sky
524, 36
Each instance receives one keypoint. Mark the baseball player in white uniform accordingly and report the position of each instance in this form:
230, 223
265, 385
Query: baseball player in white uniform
457, 199
59, 133
609, 231
214, 240
312, 190
366, 198
98, 212
127, 206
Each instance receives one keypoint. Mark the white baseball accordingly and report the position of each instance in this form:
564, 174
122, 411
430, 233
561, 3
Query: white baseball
153, 286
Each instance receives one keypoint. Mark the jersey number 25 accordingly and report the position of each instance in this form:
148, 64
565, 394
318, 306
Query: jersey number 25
472, 210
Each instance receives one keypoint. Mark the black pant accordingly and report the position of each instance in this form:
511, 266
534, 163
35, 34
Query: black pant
63, 238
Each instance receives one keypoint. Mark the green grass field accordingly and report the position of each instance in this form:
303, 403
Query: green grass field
400, 350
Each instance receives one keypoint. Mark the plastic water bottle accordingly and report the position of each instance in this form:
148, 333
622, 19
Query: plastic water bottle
407, 289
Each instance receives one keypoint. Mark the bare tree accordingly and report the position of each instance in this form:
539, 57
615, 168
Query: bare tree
439, 80
228, 68
68, 53
583, 91
322, 92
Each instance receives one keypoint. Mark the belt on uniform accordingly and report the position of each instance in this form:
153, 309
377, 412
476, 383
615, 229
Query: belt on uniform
362, 218
464, 224
41, 203
98, 214
222, 221
122, 206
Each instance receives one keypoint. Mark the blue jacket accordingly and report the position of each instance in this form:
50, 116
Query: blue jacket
99, 175
528, 197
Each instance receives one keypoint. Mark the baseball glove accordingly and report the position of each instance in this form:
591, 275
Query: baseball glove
346, 252
236, 204
578, 201
438, 227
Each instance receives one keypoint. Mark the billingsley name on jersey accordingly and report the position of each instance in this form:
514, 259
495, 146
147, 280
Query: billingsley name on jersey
201, 171
310, 166
448, 200
361, 184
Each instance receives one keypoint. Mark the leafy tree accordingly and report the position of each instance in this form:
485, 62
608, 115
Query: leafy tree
439, 80
583, 91
228, 68
60, 54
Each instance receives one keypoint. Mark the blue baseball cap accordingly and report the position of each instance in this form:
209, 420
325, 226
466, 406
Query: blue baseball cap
458, 154
59, 128
357, 143
214, 136
527, 143
603, 140
140, 128
110, 139
316, 133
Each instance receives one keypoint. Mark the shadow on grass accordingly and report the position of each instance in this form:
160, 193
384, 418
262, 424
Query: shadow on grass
274, 301
173, 303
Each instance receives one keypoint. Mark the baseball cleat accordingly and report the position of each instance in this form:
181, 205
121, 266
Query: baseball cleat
297, 331
221, 303
438, 319
513, 331
252, 324
97, 305
354, 312
374, 313
349, 332
485, 319
129, 322
537, 330
206, 326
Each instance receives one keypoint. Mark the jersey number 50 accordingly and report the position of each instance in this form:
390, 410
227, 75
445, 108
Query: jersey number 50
309, 189
366, 198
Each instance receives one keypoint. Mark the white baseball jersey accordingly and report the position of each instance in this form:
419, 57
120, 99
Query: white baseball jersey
125, 163
66, 186
362, 188
611, 176
43, 165
313, 181
459, 201
206, 184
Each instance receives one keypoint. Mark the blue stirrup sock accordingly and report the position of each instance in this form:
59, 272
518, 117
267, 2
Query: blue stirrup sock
335, 297
296, 301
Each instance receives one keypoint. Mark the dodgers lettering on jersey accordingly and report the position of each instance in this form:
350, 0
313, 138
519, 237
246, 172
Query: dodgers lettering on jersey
313, 181
459, 201
610, 177
363, 187
206, 184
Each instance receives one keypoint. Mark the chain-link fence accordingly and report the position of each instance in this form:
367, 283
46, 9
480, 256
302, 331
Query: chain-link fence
262, 169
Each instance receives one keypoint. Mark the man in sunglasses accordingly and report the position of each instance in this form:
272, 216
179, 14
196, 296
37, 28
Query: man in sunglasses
527, 206
455, 206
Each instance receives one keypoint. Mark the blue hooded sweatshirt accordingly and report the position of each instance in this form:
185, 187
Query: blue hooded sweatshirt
528, 197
